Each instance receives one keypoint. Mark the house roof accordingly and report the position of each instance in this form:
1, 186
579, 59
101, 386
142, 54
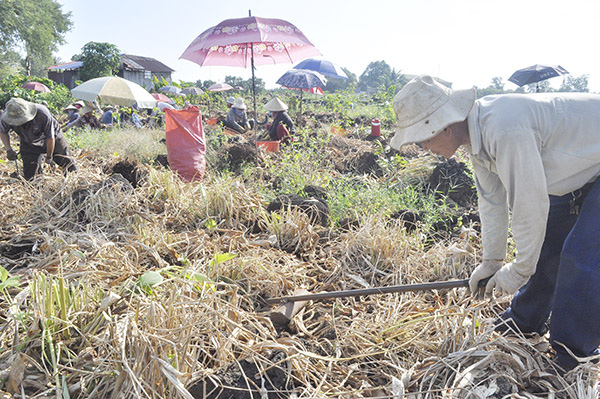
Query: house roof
136, 62
66, 66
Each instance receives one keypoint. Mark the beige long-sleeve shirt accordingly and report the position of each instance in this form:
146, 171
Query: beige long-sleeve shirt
524, 148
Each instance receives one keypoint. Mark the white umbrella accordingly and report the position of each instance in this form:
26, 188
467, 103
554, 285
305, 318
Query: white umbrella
161, 106
173, 90
193, 91
114, 90
220, 87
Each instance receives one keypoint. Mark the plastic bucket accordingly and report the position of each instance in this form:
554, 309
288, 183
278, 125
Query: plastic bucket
268, 146
375, 127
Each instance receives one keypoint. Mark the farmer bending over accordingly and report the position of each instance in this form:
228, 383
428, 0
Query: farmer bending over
39, 133
537, 156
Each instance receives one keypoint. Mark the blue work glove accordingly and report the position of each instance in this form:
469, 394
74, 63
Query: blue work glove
486, 269
11, 155
506, 281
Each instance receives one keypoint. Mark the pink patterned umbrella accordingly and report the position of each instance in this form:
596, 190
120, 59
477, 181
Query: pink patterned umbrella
235, 42
248, 42
37, 86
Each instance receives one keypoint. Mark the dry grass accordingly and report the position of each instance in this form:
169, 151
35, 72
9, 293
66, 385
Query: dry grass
87, 320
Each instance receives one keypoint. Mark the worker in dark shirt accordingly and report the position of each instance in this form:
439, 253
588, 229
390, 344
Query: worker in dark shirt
282, 127
39, 133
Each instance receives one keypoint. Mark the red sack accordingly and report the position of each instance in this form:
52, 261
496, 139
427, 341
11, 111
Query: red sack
186, 147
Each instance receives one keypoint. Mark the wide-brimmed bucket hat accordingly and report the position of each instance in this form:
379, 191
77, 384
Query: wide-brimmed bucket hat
230, 100
425, 107
276, 105
239, 103
19, 112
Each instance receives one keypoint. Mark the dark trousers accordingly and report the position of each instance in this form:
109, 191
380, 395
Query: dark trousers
33, 158
566, 282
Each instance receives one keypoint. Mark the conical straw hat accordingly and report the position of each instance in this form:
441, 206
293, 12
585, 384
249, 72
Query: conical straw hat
276, 105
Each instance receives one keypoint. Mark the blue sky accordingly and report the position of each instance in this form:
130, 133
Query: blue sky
467, 42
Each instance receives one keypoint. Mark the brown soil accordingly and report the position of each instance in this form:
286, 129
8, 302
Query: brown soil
244, 380
450, 179
316, 209
132, 171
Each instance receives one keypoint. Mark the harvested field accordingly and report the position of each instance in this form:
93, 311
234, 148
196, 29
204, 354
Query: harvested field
125, 282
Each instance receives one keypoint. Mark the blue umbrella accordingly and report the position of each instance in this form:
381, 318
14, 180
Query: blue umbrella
173, 90
301, 79
536, 73
324, 67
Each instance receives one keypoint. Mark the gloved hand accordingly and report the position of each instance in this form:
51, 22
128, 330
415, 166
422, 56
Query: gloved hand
49, 161
11, 155
506, 281
483, 271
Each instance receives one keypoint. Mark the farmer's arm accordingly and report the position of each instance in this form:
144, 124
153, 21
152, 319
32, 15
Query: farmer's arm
4, 129
493, 211
50, 127
520, 167
49, 148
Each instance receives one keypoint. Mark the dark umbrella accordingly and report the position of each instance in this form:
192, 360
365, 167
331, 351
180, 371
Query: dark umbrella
192, 91
302, 79
324, 67
536, 73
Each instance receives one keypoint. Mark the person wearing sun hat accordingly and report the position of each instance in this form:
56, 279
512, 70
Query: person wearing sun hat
282, 127
535, 157
230, 101
236, 118
39, 133
86, 118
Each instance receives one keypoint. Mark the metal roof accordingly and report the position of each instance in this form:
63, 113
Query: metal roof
137, 62
66, 66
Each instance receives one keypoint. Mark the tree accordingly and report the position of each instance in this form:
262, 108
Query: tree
380, 76
205, 84
99, 59
246, 85
33, 30
496, 87
334, 84
575, 83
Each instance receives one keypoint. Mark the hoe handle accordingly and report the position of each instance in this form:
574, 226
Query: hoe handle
378, 290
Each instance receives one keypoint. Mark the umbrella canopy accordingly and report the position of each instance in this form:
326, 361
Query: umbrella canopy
114, 90
324, 67
192, 91
536, 73
162, 105
37, 86
301, 79
173, 90
235, 42
220, 87
162, 97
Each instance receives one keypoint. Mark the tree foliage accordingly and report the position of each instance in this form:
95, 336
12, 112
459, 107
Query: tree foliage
336, 85
31, 30
99, 59
246, 85
380, 76
575, 83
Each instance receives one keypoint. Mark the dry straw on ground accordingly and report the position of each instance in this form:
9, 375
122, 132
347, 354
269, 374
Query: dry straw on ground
158, 292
